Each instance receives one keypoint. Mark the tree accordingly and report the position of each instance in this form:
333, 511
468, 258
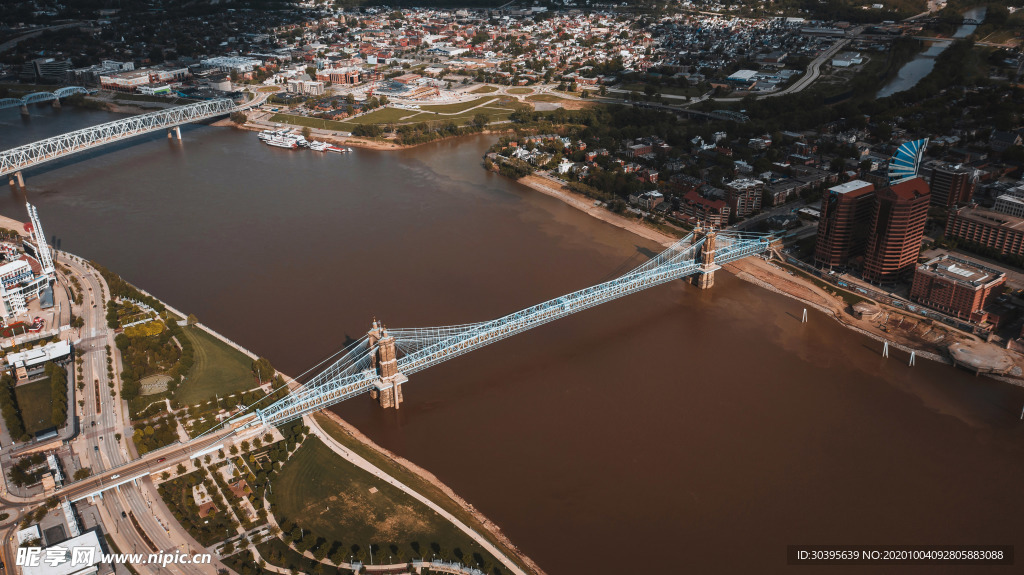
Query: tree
238, 118
82, 473
603, 90
307, 132
480, 120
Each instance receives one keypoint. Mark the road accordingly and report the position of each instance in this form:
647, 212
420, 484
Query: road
98, 448
14, 41
812, 73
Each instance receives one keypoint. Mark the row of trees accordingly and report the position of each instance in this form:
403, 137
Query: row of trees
10, 410
59, 392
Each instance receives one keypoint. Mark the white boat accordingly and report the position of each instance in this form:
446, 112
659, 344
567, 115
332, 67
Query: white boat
318, 146
335, 149
282, 142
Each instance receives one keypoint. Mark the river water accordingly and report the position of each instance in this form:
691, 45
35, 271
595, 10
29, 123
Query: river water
917, 69
671, 431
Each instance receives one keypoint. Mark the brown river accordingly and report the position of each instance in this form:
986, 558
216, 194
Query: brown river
671, 431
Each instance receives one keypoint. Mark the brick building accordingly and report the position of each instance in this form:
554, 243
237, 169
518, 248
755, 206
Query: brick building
897, 227
956, 287
714, 212
846, 212
988, 228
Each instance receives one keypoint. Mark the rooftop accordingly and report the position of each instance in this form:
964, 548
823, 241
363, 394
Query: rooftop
961, 271
851, 186
70, 563
990, 218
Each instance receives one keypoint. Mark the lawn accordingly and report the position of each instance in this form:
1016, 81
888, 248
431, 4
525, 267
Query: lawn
384, 116
218, 369
457, 106
520, 90
405, 476
313, 122
673, 90
547, 98
484, 90
335, 500
35, 400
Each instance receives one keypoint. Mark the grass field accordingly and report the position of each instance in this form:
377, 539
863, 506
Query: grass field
405, 476
35, 401
333, 499
673, 90
457, 106
484, 90
520, 90
218, 369
547, 98
313, 122
383, 116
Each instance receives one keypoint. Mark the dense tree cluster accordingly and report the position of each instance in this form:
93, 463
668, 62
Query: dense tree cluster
59, 390
10, 410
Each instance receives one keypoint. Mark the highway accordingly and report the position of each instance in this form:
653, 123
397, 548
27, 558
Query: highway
98, 448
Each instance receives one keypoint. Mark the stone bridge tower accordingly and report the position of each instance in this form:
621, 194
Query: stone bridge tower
706, 258
388, 388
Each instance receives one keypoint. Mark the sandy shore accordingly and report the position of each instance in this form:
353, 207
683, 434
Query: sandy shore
13, 224
587, 205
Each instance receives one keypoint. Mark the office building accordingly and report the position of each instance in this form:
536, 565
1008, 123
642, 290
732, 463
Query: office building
951, 184
897, 227
846, 212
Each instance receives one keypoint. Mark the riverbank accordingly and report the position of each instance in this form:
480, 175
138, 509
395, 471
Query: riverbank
589, 206
902, 330
331, 137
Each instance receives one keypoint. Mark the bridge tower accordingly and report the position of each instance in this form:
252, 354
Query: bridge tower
706, 277
388, 388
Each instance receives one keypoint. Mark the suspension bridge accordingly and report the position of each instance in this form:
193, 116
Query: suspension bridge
380, 362
40, 97
14, 160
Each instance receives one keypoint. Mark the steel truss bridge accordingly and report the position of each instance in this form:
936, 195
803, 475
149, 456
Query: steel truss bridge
417, 349
30, 155
40, 97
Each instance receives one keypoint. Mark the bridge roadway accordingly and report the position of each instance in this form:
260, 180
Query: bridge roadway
146, 464
380, 362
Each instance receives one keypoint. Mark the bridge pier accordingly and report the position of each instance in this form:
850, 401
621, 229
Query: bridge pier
24, 109
172, 132
388, 389
706, 277
56, 103
16, 179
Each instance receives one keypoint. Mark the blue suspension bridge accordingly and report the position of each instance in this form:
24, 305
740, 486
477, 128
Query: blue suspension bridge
380, 362
40, 97
14, 160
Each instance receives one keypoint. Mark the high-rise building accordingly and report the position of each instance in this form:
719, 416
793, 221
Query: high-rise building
897, 227
951, 184
846, 212
744, 196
